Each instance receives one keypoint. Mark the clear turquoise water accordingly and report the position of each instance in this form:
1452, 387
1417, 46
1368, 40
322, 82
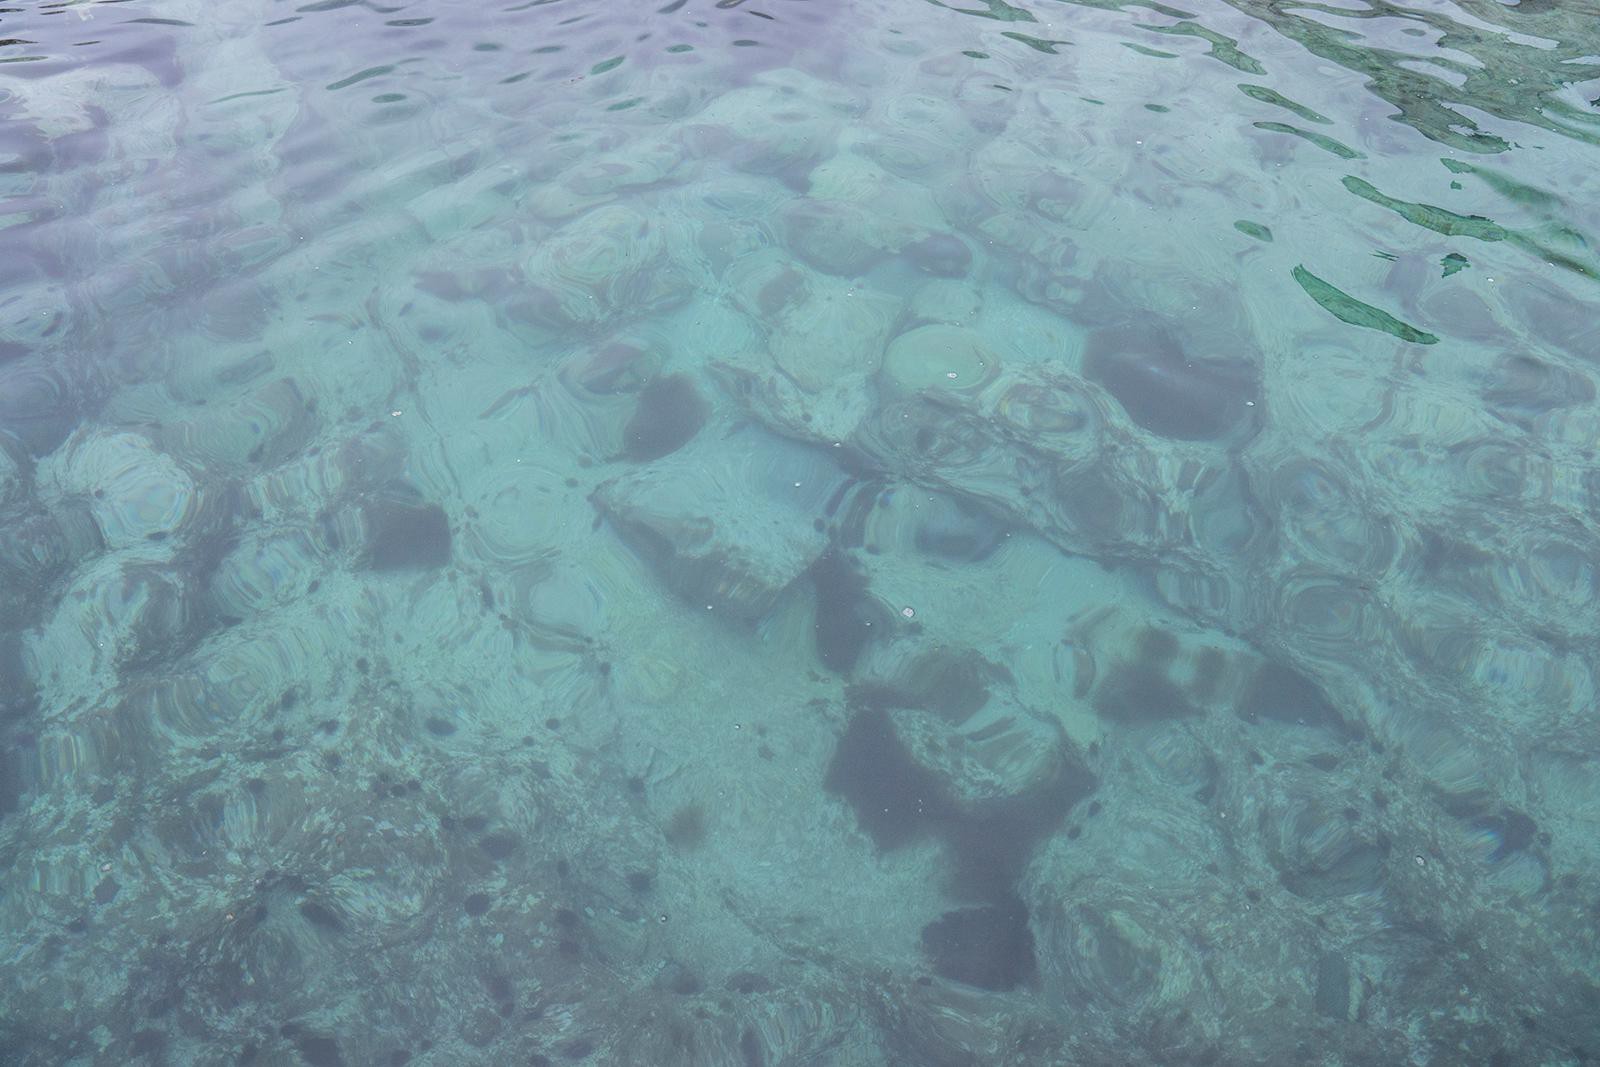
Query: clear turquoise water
797, 533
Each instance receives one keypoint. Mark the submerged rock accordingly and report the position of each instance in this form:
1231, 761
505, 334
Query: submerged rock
943, 255
137, 494
1170, 391
944, 749
945, 358
611, 368
726, 523
38, 404
610, 263
834, 236
670, 412
404, 532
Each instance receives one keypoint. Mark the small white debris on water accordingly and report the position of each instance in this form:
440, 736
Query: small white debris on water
908, 612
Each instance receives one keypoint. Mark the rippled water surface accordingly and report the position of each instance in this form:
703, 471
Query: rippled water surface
799, 532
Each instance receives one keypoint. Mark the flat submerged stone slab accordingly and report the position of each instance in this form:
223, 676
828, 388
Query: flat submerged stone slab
727, 524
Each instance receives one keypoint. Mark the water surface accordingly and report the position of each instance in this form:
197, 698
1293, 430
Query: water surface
782, 532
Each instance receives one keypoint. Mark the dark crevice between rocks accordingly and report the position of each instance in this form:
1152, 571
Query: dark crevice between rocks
987, 944
847, 619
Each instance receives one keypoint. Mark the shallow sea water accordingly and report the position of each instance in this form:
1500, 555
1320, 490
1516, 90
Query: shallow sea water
776, 532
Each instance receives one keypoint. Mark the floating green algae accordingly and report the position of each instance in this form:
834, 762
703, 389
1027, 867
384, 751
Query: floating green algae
1223, 47
996, 9
1327, 144
1510, 188
1436, 219
1277, 99
1347, 308
1036, 43
1454, 262
1253, 229
1451, 224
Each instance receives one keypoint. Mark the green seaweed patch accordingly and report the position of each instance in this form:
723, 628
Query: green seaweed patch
1347, 308
1327, 144
1038, 44
1155, 53
1506, 186
1429, 217
1157, 108
998, 10
1277, 99
1453, 263
361, 76
975, 55
1542, 243
606, 64
1253, 229
241, 96
1223, 48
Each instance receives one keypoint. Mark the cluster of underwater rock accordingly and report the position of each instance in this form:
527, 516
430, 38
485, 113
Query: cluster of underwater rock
782, 583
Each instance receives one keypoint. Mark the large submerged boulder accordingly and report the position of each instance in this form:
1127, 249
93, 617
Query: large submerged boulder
728, 523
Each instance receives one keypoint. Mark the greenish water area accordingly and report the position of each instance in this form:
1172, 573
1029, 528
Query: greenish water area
800, 533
